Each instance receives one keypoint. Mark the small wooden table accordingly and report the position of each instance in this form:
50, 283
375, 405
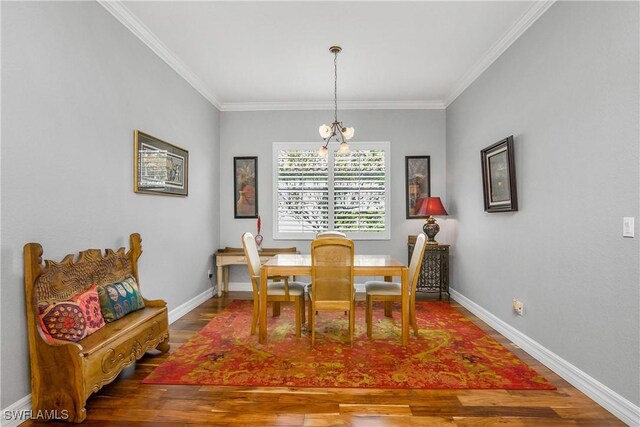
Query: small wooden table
434, 274
364, 265
235, 256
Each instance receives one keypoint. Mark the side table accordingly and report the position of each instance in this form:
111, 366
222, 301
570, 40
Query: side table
434, 274
235, 256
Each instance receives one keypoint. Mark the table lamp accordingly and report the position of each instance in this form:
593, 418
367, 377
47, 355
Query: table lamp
431, 206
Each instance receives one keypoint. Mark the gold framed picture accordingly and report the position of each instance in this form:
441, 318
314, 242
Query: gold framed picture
159, 167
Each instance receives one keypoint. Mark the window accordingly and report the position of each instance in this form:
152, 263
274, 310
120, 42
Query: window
346, 193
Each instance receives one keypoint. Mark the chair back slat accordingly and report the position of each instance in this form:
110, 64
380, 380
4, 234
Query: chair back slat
251, 253
416, 261
332, 261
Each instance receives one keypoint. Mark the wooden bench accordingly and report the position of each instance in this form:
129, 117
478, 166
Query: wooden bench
63, 376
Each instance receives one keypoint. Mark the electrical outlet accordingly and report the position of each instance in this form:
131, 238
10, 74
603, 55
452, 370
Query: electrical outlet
209, 274
518, 306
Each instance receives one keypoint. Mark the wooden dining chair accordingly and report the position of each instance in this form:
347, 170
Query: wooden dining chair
331, 286
330, 234
390, 292
280, 290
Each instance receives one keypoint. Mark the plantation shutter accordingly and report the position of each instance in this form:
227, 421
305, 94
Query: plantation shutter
359, 195
302, 203
347, 193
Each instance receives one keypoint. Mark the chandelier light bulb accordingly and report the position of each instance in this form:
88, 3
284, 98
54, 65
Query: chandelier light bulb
344, 148
323, 151
347, 133
325, 131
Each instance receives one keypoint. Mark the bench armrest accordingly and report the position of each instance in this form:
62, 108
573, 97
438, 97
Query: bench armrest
154, 302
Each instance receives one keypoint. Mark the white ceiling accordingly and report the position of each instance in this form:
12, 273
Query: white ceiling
255, 55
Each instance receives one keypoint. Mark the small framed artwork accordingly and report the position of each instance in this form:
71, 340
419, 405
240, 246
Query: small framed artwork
159, 167
245, 185
499, 177
417, 184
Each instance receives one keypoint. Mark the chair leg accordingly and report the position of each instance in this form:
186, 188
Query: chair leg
256, 309
302, 301
369, 314
388, 305
412, 315
312, 320
352, 322
276, 308
298, 316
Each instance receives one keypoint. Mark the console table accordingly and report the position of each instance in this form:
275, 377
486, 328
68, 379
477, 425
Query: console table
235, 256
434, 274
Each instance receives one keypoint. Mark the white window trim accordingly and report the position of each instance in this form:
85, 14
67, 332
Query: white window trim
384, 145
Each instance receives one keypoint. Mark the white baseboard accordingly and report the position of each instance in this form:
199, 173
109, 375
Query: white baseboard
603, 395
17, 413
183, 309
20, 411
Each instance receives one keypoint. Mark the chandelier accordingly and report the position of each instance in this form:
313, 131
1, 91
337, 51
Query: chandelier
335, 130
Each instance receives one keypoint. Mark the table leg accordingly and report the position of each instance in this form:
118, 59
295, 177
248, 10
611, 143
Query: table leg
262, 333
226, 279
405, 306
219, 280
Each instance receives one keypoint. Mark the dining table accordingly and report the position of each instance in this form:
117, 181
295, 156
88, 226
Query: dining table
364, 265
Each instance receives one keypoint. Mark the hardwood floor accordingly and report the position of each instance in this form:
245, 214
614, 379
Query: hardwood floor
127, 401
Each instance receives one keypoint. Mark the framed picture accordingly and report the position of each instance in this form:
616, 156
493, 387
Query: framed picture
417, 184
499, 177
245, 185
159, 167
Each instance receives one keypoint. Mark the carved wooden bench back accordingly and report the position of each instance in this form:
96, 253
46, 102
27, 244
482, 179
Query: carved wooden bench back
59, 281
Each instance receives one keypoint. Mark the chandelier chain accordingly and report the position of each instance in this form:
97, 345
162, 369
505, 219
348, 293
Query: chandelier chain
335, 129
335, 85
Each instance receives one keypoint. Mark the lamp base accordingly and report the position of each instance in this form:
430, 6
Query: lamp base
431, 228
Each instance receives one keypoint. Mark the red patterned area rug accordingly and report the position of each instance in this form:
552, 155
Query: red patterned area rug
449, 353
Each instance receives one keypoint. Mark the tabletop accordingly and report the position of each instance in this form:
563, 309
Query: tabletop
304, 260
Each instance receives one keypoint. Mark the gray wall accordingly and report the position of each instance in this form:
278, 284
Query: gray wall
410, 132
568, 91
75, 84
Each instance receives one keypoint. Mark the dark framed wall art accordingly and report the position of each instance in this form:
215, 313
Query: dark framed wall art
499, 177
159, 167
245, 186
417, 184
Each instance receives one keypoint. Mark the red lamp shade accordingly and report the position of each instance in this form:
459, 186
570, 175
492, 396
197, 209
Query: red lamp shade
431, 206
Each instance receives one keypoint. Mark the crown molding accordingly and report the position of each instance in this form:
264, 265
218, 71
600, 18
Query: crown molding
346, 105
531, 15
133, 24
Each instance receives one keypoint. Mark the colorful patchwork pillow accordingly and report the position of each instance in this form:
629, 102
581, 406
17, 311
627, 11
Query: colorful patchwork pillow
71, 320
90, 304
62, 321
119, 299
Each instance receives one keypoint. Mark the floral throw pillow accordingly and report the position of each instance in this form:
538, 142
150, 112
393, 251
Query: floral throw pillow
119, 299
72, 320
62, 321
89, 303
